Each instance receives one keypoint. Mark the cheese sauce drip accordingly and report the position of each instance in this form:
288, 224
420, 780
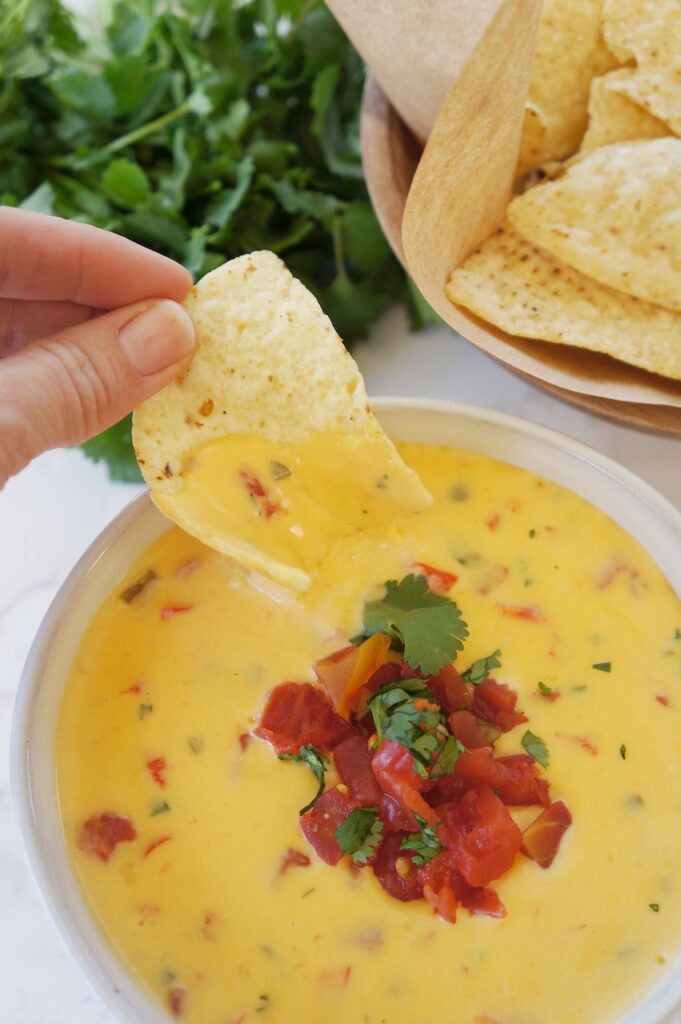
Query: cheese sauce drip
207, 906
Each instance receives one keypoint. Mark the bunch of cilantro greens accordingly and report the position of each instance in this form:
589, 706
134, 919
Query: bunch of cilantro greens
202, 129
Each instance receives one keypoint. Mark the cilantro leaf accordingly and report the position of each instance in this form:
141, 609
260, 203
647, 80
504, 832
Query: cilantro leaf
536, 748
603, 666
428, 626
360, 834
447, 758
546, 691
425, 842
398, 717
480, 669
315, 762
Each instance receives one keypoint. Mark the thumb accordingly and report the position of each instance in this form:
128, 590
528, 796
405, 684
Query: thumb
63, 389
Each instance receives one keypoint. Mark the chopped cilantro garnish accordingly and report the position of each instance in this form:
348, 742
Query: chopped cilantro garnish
532, 533
545, 690
428, 626
315, 762
399, 716
160, 808
480, 669
655, 907
425, 843
195, 744
677, 633
360, 834
536, 748
603, 666
447, 758
623, 752
146, 709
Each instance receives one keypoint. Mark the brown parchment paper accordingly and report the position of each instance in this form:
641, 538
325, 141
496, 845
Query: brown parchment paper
437, 204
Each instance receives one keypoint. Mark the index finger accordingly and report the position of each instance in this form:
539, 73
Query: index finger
44, 257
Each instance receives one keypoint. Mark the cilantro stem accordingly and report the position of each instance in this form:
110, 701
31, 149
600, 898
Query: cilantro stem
338, 250
150, 127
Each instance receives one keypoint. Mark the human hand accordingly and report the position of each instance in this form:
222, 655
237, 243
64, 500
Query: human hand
87, 331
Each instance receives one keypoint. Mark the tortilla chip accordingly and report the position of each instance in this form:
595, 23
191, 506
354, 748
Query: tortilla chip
268, 366
615, 215
614, 117
570, 52
523, 290
658, 92
649, 32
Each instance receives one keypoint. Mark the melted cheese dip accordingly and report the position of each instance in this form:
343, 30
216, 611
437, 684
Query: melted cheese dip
198, 902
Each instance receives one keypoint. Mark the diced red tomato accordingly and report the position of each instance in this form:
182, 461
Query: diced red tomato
521, 611
496, 703
472, 731
393, 766
156, 766
481, 836
101, 834
542, 838
266, 505
169, 610
299, 713
335, 671
661, 699
176, 1000
450, 690
441, 881
319, 824
346, 673
515, 778
352, 758
478, 900
439, 581
394, 818
395, 871
293, 859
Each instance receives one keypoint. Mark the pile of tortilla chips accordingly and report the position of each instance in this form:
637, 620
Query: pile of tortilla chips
590, 252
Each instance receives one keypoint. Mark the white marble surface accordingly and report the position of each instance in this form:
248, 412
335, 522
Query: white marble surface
51, 512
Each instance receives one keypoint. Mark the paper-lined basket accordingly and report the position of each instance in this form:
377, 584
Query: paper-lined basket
437, 203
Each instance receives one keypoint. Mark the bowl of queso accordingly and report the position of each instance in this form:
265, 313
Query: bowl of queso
197, 876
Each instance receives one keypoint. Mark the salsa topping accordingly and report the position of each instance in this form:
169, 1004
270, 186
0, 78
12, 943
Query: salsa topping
422, 799
101, 834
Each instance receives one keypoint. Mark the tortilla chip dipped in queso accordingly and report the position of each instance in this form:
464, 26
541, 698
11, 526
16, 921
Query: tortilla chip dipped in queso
266, 449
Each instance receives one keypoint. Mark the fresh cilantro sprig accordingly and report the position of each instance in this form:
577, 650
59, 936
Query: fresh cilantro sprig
425, 843
428, 626
447, 758
403, 712
360, 834
480, 669
202, 129
315, 762
536, 748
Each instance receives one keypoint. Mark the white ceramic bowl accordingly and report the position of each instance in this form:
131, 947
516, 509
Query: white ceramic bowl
628, 500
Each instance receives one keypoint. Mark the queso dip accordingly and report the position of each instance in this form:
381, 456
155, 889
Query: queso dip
212, 903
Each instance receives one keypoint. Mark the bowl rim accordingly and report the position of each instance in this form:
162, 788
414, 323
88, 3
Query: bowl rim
31, 680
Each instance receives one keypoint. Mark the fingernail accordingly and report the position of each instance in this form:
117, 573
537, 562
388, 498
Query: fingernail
157, 337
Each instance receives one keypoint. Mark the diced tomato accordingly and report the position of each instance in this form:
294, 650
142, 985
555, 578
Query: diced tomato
661, 699
515, 778
542, 838
156, 766
395, 871
394, 818
335, 671
472, 731
439, 581
299, 713
266, 505
352, 758
441, 881
319, 824
493, 521
293, 859
176, 1000
481, 836
495, 702
347, 673
393, 766
244, 740
101, 834
450, 690
169, 610
521, 611
478, 900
